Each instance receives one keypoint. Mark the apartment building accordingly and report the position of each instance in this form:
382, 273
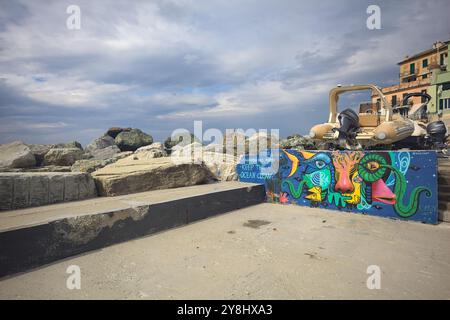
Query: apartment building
415, 73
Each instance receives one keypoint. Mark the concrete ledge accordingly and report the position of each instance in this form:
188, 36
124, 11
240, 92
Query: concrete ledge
444, 215
33, 237
31, 189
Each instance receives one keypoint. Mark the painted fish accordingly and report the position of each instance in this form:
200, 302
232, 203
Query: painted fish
315, 194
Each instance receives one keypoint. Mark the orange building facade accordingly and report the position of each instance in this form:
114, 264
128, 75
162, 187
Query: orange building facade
415, 74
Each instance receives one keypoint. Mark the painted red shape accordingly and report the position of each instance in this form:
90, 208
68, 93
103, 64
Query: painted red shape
381, 193
344, 183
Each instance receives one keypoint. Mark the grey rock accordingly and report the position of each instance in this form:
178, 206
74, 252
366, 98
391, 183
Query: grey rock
72, 144
132, 140
91, 165
221, 165
180, 140
130, 176
63, 156
16, 155
114, 131
105, 153
296, 141
100, 143
39, 151
155, 150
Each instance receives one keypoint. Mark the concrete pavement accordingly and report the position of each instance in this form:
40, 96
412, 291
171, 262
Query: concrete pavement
266, 251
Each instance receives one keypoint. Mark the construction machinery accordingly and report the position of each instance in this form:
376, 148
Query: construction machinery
379, 125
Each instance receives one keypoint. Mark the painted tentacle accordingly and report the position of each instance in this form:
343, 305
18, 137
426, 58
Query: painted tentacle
296, 193
378, 167
410, 208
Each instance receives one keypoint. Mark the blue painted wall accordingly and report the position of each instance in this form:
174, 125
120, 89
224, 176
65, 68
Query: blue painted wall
392, 184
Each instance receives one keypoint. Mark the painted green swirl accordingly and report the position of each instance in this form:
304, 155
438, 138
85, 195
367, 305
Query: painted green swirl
296, 193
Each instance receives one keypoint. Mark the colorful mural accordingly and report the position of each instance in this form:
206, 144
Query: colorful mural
391, 184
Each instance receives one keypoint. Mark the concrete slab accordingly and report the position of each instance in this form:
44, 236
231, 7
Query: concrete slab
265, 251
35, 236
31, 189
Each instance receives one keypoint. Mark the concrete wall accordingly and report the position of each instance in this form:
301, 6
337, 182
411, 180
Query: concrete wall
31, 189
80, 230
392, 184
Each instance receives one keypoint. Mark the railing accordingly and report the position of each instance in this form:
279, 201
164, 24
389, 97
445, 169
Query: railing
409, 74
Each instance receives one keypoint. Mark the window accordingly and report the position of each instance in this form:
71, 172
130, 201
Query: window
444, 104
442, 59
425, 76
394, 100
424, 63
412, 68
446, 86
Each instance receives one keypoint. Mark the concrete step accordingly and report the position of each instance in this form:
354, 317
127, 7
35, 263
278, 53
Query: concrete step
444, 205
444, 215
35, 236
444, 163
443, 173
444, 195
443, 180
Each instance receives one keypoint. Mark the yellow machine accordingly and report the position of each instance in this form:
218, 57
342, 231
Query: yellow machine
377, 125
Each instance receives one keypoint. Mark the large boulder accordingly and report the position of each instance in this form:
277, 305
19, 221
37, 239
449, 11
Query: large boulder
132, 140
63, 156
221, 165
102, 148
71, 144
180, 140
39, 151
114, 131
154, 150
100, 143
105, 153
190, 150
133, 175
90, 165
16, 155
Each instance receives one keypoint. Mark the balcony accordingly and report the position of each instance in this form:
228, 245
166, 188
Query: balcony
408, 74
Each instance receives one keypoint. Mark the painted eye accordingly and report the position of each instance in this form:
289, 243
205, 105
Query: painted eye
373, 165
320, 164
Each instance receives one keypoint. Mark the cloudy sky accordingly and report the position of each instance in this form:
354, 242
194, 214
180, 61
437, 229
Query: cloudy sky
160, 65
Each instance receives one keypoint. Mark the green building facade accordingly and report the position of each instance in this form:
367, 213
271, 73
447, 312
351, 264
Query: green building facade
439, 90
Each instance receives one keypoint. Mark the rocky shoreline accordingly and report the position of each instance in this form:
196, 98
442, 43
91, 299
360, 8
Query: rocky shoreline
122, 161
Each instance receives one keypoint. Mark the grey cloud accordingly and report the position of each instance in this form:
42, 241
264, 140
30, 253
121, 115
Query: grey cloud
170, 57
